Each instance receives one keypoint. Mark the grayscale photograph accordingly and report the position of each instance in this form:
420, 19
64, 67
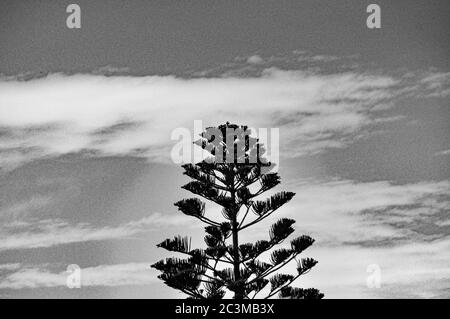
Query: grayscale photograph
244, 150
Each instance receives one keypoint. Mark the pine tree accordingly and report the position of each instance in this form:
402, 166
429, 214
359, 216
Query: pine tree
234, 176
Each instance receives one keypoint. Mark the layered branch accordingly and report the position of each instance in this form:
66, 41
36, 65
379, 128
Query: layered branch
264, 209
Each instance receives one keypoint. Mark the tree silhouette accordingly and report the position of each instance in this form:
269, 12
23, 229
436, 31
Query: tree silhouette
233, 176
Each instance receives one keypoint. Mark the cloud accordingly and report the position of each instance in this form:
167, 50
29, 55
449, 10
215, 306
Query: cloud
342, 213
355, 224
408, 270
9, 267
345, 212
402, 228
293, 60
124, 115
437, 84
444, 152
22, 209
443, 223
367, 214
107, 113
98, 276
111, 70
51, 232
255, 59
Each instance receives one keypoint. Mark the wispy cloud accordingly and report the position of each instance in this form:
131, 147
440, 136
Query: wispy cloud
437, 84
28, 234
62, 114
22, 209
444, 152
372, 213
22, 277
297, 59
408, 270
111, 70
402, 228
255, 59
351, 222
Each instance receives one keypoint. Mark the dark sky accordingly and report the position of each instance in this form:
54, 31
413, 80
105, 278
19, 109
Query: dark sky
162, 37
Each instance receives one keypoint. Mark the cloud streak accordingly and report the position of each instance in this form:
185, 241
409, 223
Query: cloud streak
356, 224
28, 234
29, 277
402, 228
124, 115
371, 213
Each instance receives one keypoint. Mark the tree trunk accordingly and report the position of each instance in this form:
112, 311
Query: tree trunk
239, 292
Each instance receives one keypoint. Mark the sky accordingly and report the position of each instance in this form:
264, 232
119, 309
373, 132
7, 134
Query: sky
86, 118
